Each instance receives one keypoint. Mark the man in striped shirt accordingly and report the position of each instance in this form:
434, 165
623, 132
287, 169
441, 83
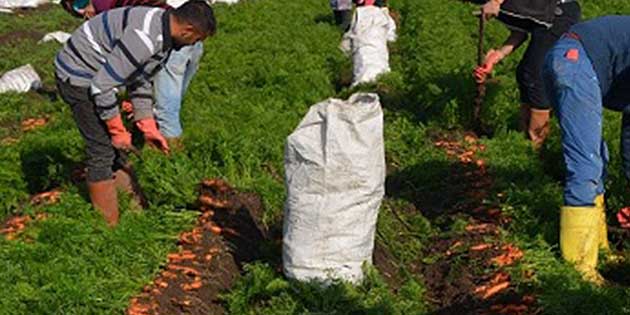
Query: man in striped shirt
171, 83
121, 48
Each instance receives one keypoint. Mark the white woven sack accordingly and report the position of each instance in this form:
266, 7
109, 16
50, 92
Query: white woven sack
20, 80
335, 179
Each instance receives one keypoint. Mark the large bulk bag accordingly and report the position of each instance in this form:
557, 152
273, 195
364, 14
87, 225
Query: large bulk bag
335, 180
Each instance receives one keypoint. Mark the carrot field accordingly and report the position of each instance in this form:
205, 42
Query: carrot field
469, 223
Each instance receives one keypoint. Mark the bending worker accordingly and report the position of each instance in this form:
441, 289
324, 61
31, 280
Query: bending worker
171, 83
588, 69
121, 48
545, 21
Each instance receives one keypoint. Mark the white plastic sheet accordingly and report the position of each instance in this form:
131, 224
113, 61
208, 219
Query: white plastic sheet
58, 36
366, 41
20, 80
335, 180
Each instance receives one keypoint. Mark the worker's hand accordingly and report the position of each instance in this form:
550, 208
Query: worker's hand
152, 135
491, 9
89, 11
623, 216
121, 138
492, 58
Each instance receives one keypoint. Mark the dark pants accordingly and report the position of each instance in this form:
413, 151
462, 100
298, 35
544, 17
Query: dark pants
529, 71
102, 158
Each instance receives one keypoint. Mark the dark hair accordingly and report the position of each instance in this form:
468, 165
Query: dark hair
67, 5
199, 14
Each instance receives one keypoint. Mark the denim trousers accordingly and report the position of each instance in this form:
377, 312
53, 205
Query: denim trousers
574, 91
170, 86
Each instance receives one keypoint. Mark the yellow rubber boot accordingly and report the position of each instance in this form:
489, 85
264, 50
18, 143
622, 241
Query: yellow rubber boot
579, 240
603, 227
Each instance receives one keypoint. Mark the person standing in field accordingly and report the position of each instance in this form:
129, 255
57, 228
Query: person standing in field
121, 48
586, 71
545, 21
171, 83
342, 10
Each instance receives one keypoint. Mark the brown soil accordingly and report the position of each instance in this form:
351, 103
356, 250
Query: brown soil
228, 234
17, 36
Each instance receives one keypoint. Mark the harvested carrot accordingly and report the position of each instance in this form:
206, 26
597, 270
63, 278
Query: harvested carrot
231, 231
213, 202
32, 123
161, 283
178, 257
186, 270
480, 247
168, 275
511, 255
470, 139
480, 228
212, 227
492, 291
195, 285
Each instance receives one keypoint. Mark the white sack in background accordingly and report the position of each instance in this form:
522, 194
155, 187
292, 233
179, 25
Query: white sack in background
21, 79
366, 41
335, 179
59, 36
15, 4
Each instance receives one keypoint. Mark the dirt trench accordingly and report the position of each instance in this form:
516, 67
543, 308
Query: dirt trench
466, 272
228, 234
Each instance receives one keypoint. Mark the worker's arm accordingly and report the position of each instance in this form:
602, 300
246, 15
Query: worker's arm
625, 144
121, 66
494, 56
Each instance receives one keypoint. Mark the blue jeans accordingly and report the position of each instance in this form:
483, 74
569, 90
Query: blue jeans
170, 86
574, 91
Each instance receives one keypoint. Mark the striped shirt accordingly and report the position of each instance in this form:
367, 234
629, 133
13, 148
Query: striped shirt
123, 47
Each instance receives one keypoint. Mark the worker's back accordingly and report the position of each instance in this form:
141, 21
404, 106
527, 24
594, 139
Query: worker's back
607, 43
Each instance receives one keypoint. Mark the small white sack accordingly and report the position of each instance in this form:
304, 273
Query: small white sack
59, 36
366, 41
335, 180
16, 4
21, 80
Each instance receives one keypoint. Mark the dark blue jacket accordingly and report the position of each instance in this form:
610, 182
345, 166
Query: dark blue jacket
607, 43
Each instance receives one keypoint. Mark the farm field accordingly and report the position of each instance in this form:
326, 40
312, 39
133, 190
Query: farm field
469, 224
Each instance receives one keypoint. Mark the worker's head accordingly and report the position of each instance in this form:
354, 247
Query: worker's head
79, 8
192, 22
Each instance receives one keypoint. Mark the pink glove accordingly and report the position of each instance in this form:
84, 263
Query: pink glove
152, 135
121, 138
623, 216
492, 58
